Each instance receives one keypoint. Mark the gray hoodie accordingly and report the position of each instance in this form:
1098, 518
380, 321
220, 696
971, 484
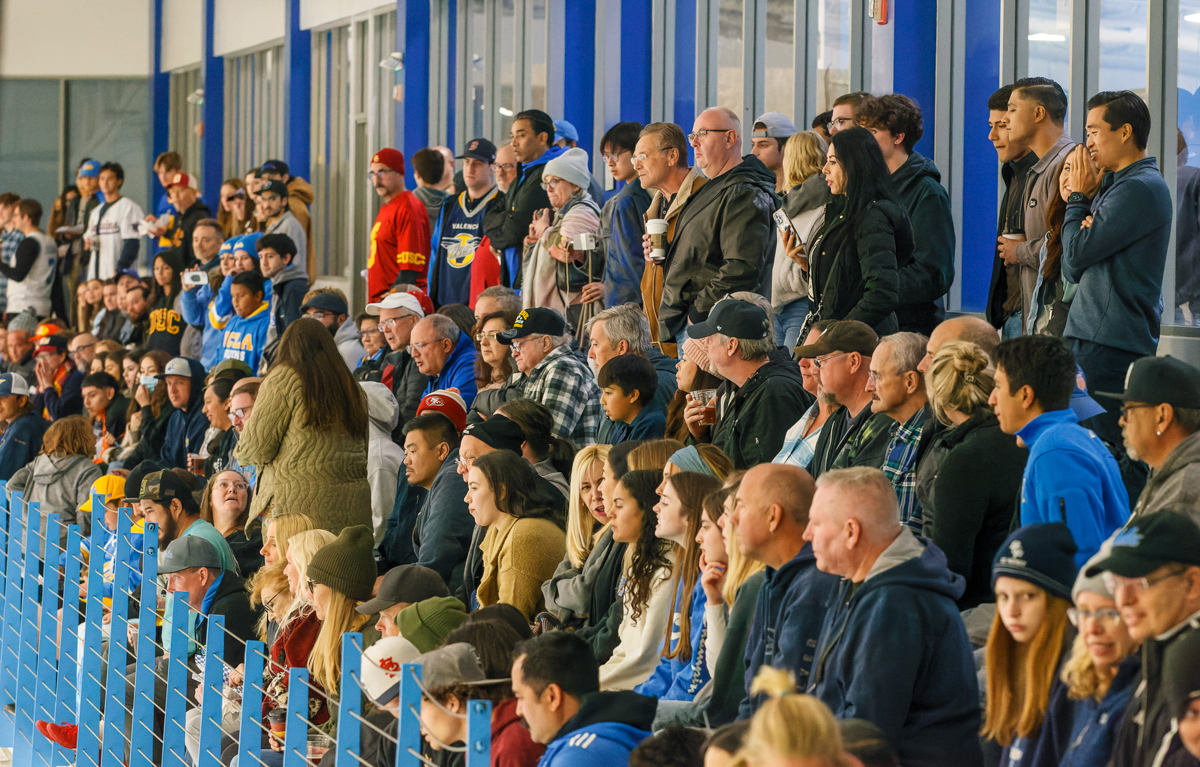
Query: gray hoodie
348, 345
385, 459
1176, 486
60, 486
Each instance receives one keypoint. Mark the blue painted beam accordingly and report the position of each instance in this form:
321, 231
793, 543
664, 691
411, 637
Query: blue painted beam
297, 62
637, 25
415, 45
685, 65
914, 60
213, 142
579, 79
160, 101
982, 77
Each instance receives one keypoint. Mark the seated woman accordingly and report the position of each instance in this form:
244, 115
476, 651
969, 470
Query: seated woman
567, 594
790, 728
653, 454
60, 478
646, 589
146, 419
217, 453
494, 366
702, 459
1030, 637
550, 455
693, 372
522, 545
225, 505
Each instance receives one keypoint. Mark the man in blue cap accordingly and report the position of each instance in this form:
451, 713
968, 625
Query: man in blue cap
75, 221
22, 440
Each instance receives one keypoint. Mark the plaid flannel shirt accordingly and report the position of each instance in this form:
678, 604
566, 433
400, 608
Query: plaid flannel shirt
8, 253
564, 384
899, 466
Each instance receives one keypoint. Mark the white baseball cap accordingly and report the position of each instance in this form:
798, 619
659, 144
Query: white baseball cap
381, 666
398, 300
13, 384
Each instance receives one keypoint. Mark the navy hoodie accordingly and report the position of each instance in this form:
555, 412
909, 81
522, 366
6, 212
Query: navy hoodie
21, 443
894, 651
186, 428
788, 617
608, 726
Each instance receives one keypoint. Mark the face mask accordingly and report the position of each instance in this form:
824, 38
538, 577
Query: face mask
149, 382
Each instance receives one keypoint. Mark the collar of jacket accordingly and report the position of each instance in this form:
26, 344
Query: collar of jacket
1191, 622
1111, 178
1054, 155
1030, 432
691, 184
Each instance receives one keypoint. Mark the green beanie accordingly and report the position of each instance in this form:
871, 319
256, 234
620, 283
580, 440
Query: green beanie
427, 623
348, 564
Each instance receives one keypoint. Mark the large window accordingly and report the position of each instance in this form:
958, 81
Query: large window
730, 56
254, 109
475, 55
331, 148
780, 59
538, 48
186, 116
833, 51
505, 104
1049, 40
1123, 46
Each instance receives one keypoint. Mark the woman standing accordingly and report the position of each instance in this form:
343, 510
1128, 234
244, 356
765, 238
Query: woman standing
804, 203
307, 435
237, 208
226, 505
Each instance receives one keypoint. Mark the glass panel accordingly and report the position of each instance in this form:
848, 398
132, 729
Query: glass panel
506, 66
1050, 40
186, 105
1123, 46
780, 55
1187, 218
833, 51
730, 55
537, 52
476, 52
110, 121
29, 140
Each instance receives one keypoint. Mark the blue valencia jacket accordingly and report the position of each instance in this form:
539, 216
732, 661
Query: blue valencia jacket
621, 229
198, 308
607, 728
1118, 261
244, 338
186, 428
1071, 477
894, 651
787, 623
21, 443
681, 678
458, 372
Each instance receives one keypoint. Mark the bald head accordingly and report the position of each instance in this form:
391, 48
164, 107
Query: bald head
771, 512
966, 328
854, 517
788, 486
718, 141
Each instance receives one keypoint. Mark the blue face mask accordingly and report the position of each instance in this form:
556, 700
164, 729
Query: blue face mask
149, 382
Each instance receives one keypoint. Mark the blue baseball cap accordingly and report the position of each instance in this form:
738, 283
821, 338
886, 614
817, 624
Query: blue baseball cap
89, 169
564, 129
1081, 403
13, 384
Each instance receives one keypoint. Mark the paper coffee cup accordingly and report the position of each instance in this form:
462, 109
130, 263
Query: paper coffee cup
657, 229
1013, 236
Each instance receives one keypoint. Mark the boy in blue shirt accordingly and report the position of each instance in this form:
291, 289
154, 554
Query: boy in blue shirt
628, 383
246, 333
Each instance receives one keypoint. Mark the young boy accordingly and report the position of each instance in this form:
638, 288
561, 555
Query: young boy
246, 334
628, 383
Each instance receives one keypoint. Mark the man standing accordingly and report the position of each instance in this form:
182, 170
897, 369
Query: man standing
25, 427
445, 355
896, 124
912, 677
299, 197
328, 307
76, 217
161, 223
185, 196
621, 221
442, 534
10, 238
32, 274
276, 257
458, 228
273, 201
428, 168
112, 241
184, 379
621, 330
506, 167
400, 237
1115, 236
844, 113
725, 235
771, 132
1016, 161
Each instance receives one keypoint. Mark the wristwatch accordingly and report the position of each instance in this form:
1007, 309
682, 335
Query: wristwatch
1078, 197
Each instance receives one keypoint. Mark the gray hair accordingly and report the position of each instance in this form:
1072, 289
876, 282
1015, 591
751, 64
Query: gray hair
626, 323
507, 298
870, 485
444, 327
1188, 419
755, 349
908, 349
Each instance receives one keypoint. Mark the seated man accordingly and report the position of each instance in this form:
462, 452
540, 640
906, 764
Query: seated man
893, 649
58, 380
22, 439
184, 379
446, 355
622, 330
400, 587
106, 407
442, 532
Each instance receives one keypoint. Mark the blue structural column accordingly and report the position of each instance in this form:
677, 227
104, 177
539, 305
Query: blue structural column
982, 78
213, 143
685, 64
297, 61
160, 100
579, 79
636, 49
412, 115
914, 58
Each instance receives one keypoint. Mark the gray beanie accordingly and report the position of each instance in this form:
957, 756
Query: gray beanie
1095, 584
24, 321
571, 166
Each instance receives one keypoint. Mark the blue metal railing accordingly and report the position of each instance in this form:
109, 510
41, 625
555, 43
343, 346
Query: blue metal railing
52, 667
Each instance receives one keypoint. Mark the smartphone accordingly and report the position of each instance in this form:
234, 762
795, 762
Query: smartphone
194, 278
784, 223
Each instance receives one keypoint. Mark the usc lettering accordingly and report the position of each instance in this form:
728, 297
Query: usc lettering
165, 321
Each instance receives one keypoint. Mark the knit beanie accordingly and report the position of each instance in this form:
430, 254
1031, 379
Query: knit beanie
24, 321
1094, 584
449, 403
695, 352
427, 623
1042, 554
347, 565
571, 166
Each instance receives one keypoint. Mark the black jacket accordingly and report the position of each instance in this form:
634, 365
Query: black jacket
523, 199
232, 602
855, 265
926, 279
407, 384
754, 418
724, 242
604, 617
195, 213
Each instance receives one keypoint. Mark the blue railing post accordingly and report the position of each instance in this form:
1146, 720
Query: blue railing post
115, 711
141, 740
210, 697
479, 733
91, 688
28, 653
250, 741
295, 738
69, 635
408, 731
45, 693
10, 632
173, 749
349, 732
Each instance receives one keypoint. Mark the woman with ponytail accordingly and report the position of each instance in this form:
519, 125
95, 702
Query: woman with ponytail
791, 729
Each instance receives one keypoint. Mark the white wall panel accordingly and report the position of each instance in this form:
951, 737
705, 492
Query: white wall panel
63, 38
316, 13
183, 37
245, 24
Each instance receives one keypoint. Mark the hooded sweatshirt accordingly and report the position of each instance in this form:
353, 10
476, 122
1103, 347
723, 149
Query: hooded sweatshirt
385, 459
198, 309
442, 533
348, 345
59, 485
187, 426
894, 651
608, 726
1175, 486
458, 372
288, 287
925, 279
21, 442
245, 338
511, 744
754, 418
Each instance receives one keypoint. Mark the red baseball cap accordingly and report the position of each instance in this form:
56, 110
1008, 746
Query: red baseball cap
423, 298
449, 403
393, 158
183, 179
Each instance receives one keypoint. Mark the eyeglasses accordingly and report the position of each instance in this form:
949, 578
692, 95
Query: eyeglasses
842, 122
80, 348
227, 484
503, 166
365, 333
1127, 407
386, 324
1107, 617
242, 412
819, 361
374, 174
419, 346
551, 184
1112, 582
701, 134
638, 159
464, 463
318, 316
490, 335
516, 344
614, 157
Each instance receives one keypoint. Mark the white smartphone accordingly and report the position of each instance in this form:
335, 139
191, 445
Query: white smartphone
194, 278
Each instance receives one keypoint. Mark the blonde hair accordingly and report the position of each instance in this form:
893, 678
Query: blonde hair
738, 566
287, 527
653, 454
959, 378
303, 547
581, 525
791, 726
270, 578
1019, 676
803, 155
325, 660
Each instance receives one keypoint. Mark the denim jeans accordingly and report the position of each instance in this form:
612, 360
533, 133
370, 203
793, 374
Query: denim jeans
789, 321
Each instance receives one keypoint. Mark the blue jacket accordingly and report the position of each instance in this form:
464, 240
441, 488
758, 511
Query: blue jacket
788, 617
441, 534
1118, 262
458, 372
1071, 477
245, 338
894, 651
663, 394
223, 301
621, 229
649, 423
57, 405
186, 428
198, 309
681, 678
608, 726
21, 443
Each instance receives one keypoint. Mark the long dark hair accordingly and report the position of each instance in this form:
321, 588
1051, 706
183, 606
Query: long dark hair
538, 424
1056, 211
158, 398
648, 553
676, 426
164, 292
485, 375
868, 178
514, 484
332, 399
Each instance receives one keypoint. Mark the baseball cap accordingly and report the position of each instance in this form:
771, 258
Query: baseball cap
498, 432
163, 486
13, 384
392, 158
177, 367
89, 169
842, 336
1160, 381
449, 403
1082, 403
734, 318
275, 166
234, 370
382, 664
108, 487
532, 321
405, 583
451, 665
137, 477
184, 179
274, 186
51, 344
326, 302
188, 551
776, 125
1149, 542
399, 300
48, 328
564, 129
480, 149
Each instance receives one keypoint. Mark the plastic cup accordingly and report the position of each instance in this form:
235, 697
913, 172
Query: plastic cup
1013, 235
657, 229
708, 399
318, 744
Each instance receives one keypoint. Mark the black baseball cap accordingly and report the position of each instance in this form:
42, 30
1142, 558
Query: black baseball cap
480, 149
406, 583
735, 318
532, 322
275, 166
843, 336
326, 302
275, 186
1160, 381
1149, 542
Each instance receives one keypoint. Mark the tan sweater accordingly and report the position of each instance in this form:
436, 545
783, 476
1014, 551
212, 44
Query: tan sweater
519, 555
